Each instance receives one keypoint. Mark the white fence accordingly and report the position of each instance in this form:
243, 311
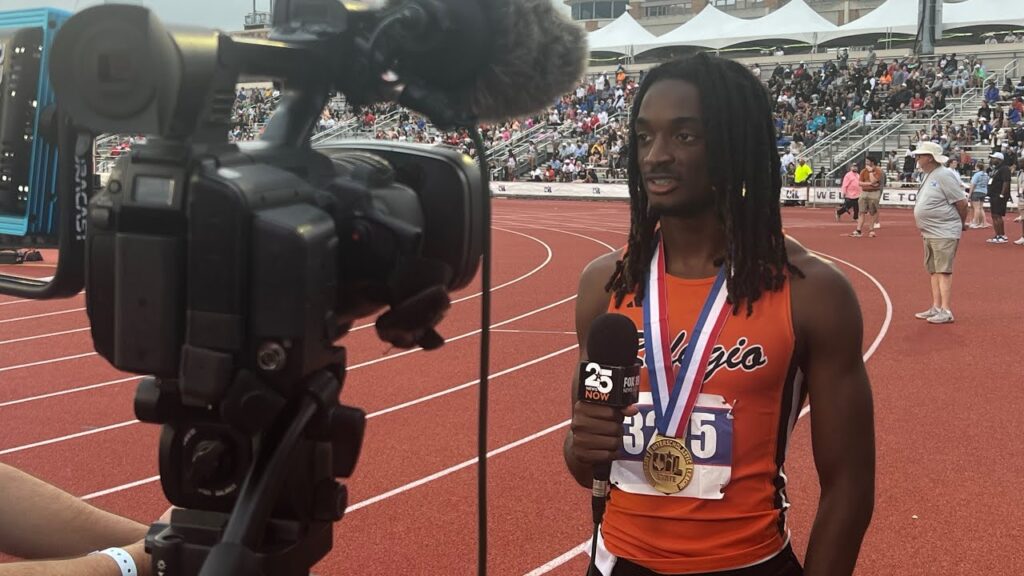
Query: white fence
904, 197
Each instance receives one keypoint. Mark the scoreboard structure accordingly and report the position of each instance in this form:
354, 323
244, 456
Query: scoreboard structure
28, 158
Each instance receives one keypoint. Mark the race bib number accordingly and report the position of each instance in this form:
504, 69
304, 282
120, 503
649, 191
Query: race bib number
708, 437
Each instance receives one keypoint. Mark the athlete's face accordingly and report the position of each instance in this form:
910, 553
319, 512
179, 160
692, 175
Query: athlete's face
671, 149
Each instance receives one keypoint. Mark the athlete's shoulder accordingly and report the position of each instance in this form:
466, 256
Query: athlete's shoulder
593, 297
597, 273
822, 297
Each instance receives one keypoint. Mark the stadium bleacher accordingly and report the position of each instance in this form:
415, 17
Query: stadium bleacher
835, 101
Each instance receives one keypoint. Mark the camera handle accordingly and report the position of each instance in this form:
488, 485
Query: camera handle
311, 441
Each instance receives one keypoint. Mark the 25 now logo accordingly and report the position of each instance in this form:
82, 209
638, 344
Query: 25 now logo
599, 383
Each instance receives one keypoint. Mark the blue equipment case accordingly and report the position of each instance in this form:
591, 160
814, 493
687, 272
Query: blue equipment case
28, 196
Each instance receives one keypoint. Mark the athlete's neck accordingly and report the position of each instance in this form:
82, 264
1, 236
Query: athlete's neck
693, 245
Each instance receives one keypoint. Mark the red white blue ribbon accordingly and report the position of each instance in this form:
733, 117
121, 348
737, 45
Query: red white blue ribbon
675, 393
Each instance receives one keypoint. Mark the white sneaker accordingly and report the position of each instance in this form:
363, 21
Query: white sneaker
927, 313
998, 240
1020, 242
943, 317
877, 225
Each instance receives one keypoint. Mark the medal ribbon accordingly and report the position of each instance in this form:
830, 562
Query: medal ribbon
674, 398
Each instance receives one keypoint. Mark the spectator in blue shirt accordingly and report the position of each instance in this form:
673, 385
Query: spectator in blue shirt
978, 191
991, 93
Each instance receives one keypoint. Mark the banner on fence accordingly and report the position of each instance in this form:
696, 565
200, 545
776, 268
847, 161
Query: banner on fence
905, 197
561, 190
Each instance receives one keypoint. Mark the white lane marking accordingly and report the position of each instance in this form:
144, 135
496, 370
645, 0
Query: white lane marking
551, 565
541, 266
66, 438
33, 317
455, 468
121, 487
375, 499
44, 362
885, 323
535, 332
350, 368
69, 391
28, 338
25, 301
472, 383
467, 334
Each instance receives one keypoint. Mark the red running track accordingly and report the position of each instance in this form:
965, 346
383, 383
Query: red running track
947, 415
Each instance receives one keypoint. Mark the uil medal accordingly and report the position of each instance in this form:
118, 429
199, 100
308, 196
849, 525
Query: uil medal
668, 465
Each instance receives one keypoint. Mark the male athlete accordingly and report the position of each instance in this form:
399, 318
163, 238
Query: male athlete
698, 479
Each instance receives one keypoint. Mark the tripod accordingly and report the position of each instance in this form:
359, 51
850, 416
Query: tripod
255, 481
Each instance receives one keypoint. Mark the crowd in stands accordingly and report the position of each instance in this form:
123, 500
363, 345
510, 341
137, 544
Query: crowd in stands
251, 111
583, 135
583, 132
813, 103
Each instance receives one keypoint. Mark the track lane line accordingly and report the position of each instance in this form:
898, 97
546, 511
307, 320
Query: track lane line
70, 391
51, 335
66, 438
45, 362
389, 410
540, 267
455, 468
547, 260
882, 332
383, 496
33, 317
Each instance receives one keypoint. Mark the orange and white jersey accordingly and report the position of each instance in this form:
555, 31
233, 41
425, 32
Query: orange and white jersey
733, 512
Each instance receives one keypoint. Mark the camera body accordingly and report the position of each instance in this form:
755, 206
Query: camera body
229, 272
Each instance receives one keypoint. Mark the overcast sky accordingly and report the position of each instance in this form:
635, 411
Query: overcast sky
222, 14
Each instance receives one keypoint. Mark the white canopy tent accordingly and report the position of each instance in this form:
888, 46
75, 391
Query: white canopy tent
707, 29
795, 21
619, 36
981, 13
893, 17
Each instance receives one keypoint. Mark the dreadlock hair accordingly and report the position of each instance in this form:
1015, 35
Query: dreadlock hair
743, 168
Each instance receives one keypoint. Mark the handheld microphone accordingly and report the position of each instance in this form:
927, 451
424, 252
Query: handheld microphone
611, 377
488, 60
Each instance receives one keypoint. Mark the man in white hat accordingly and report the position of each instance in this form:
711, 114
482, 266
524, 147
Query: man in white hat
941, 213
998, 196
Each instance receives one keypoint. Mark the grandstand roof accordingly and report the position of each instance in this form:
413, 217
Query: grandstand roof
619, 36
794, 21
895, 16
707, 29
981, 13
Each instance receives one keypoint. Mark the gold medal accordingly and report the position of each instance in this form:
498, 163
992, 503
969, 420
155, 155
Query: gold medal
668, 465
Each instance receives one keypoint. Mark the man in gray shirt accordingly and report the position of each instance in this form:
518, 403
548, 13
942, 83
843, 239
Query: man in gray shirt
941, 213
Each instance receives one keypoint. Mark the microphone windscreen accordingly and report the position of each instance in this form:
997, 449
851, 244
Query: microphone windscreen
613, 340
538, 54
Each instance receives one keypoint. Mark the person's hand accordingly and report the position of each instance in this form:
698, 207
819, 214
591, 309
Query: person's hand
597, 431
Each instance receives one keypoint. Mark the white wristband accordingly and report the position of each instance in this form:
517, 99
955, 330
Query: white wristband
124, 560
